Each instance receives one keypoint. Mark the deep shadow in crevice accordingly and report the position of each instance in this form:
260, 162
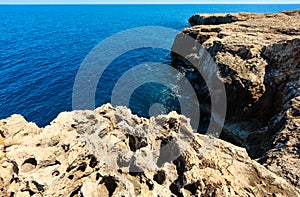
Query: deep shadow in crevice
110, 183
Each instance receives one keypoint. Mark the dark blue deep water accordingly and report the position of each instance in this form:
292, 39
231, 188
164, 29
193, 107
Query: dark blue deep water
42, 47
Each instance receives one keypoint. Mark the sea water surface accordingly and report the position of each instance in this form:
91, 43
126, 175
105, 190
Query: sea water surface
43, 46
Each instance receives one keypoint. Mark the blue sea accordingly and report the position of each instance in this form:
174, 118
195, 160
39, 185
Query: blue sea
43, 46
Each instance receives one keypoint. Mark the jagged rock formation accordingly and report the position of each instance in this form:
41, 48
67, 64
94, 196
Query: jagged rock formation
110, 152
217, 19
258, 56
102, 152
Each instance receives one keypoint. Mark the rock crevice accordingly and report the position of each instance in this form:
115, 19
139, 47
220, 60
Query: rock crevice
258, 60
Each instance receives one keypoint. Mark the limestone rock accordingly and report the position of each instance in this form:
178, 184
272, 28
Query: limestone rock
258, 60
110, 152
217, 19
237, 49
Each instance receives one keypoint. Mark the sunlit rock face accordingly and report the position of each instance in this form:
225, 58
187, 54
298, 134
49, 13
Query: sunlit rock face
110, 152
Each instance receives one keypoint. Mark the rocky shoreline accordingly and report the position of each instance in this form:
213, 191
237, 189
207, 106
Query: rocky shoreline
258, 60
105, 152
98, 153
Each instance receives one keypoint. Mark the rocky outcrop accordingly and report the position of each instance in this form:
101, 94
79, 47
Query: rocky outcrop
110, 152
210, 19
258, 60
217, 19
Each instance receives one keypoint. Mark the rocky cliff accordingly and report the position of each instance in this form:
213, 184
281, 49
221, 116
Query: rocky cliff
258, 60
110, 152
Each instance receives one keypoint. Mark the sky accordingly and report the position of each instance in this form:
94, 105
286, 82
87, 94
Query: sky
148, 1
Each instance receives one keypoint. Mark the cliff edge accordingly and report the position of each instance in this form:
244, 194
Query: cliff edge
258, 60
111, 152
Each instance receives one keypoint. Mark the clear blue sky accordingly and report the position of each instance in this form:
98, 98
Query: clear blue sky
146, 1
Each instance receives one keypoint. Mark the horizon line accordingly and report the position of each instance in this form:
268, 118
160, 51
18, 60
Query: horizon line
248, 3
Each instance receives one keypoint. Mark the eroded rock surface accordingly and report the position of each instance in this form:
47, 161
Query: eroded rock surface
258, 56
102, 152
217, 19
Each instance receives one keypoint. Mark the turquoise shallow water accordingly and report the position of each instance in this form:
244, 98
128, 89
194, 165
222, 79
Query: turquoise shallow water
42, 47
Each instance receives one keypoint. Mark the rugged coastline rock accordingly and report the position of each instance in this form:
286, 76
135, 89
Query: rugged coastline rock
89, 153
258, 60
110, 152
217, 19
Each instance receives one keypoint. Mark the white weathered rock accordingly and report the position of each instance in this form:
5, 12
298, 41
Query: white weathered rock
110, 152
